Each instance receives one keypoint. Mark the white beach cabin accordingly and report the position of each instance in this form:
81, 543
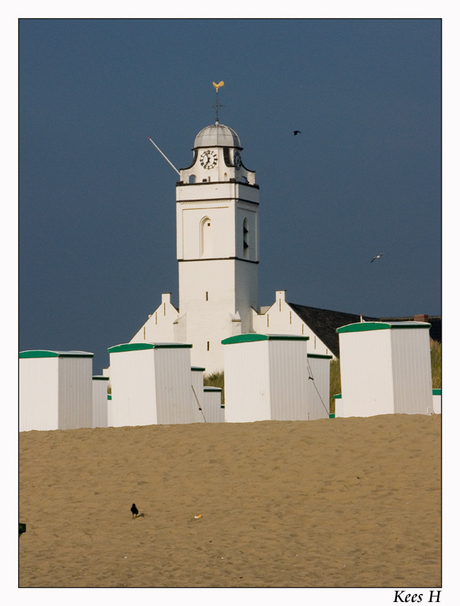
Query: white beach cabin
151, 384
212, 404
207, 398
55, 390
197, 376
319, 380
266, 378
385, 368
109, 410
100, 406
437, 401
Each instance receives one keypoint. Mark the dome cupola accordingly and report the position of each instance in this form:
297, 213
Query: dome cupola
217, 135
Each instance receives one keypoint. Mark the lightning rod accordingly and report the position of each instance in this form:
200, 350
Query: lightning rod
164, 155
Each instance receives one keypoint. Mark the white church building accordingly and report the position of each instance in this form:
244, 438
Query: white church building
217, 233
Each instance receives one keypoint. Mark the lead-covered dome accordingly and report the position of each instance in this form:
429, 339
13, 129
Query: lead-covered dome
217, 134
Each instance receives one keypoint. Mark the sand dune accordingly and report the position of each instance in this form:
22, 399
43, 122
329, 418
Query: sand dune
330, 503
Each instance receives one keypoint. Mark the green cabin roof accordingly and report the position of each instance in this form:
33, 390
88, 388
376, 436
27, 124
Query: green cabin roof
367, 326
252, 336
49, 353
143, 345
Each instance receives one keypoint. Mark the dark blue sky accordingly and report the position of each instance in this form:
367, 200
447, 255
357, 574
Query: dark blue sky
97, 201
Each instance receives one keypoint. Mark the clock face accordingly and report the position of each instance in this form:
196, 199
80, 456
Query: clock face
237, 160
208, 159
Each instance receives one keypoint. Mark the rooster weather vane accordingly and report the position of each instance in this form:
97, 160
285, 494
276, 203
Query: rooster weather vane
217, 105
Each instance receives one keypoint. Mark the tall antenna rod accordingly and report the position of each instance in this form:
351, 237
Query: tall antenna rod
217, 105
164, 156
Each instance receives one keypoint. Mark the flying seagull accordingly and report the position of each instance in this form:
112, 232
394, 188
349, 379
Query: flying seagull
134, 510
377, 257
296, 132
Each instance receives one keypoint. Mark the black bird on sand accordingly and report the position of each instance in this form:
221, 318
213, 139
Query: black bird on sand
134, 510
297, 132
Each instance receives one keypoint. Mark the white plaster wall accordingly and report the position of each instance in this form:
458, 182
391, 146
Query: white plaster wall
160, 326
180, 328
246, 293
280, 318
212, 190
213, 320
220, 233
219, 223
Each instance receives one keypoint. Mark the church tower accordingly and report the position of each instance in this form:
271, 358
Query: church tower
217, 203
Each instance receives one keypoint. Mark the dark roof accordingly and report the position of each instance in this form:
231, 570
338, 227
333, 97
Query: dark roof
324, 323
436, 328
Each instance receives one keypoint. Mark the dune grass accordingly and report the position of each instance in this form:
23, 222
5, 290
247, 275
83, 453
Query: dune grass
335, 385
215, 379
436, 364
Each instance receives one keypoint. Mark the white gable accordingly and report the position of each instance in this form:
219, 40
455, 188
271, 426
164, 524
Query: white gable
280, 318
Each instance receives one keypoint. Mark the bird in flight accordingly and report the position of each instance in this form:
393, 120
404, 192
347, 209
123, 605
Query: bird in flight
134, 510
297, 132
377, 257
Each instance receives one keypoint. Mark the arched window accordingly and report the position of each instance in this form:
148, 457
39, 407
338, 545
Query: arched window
206, 237
245, 238
191, 179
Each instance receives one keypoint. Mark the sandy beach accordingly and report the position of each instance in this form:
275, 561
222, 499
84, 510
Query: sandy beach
329, 503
